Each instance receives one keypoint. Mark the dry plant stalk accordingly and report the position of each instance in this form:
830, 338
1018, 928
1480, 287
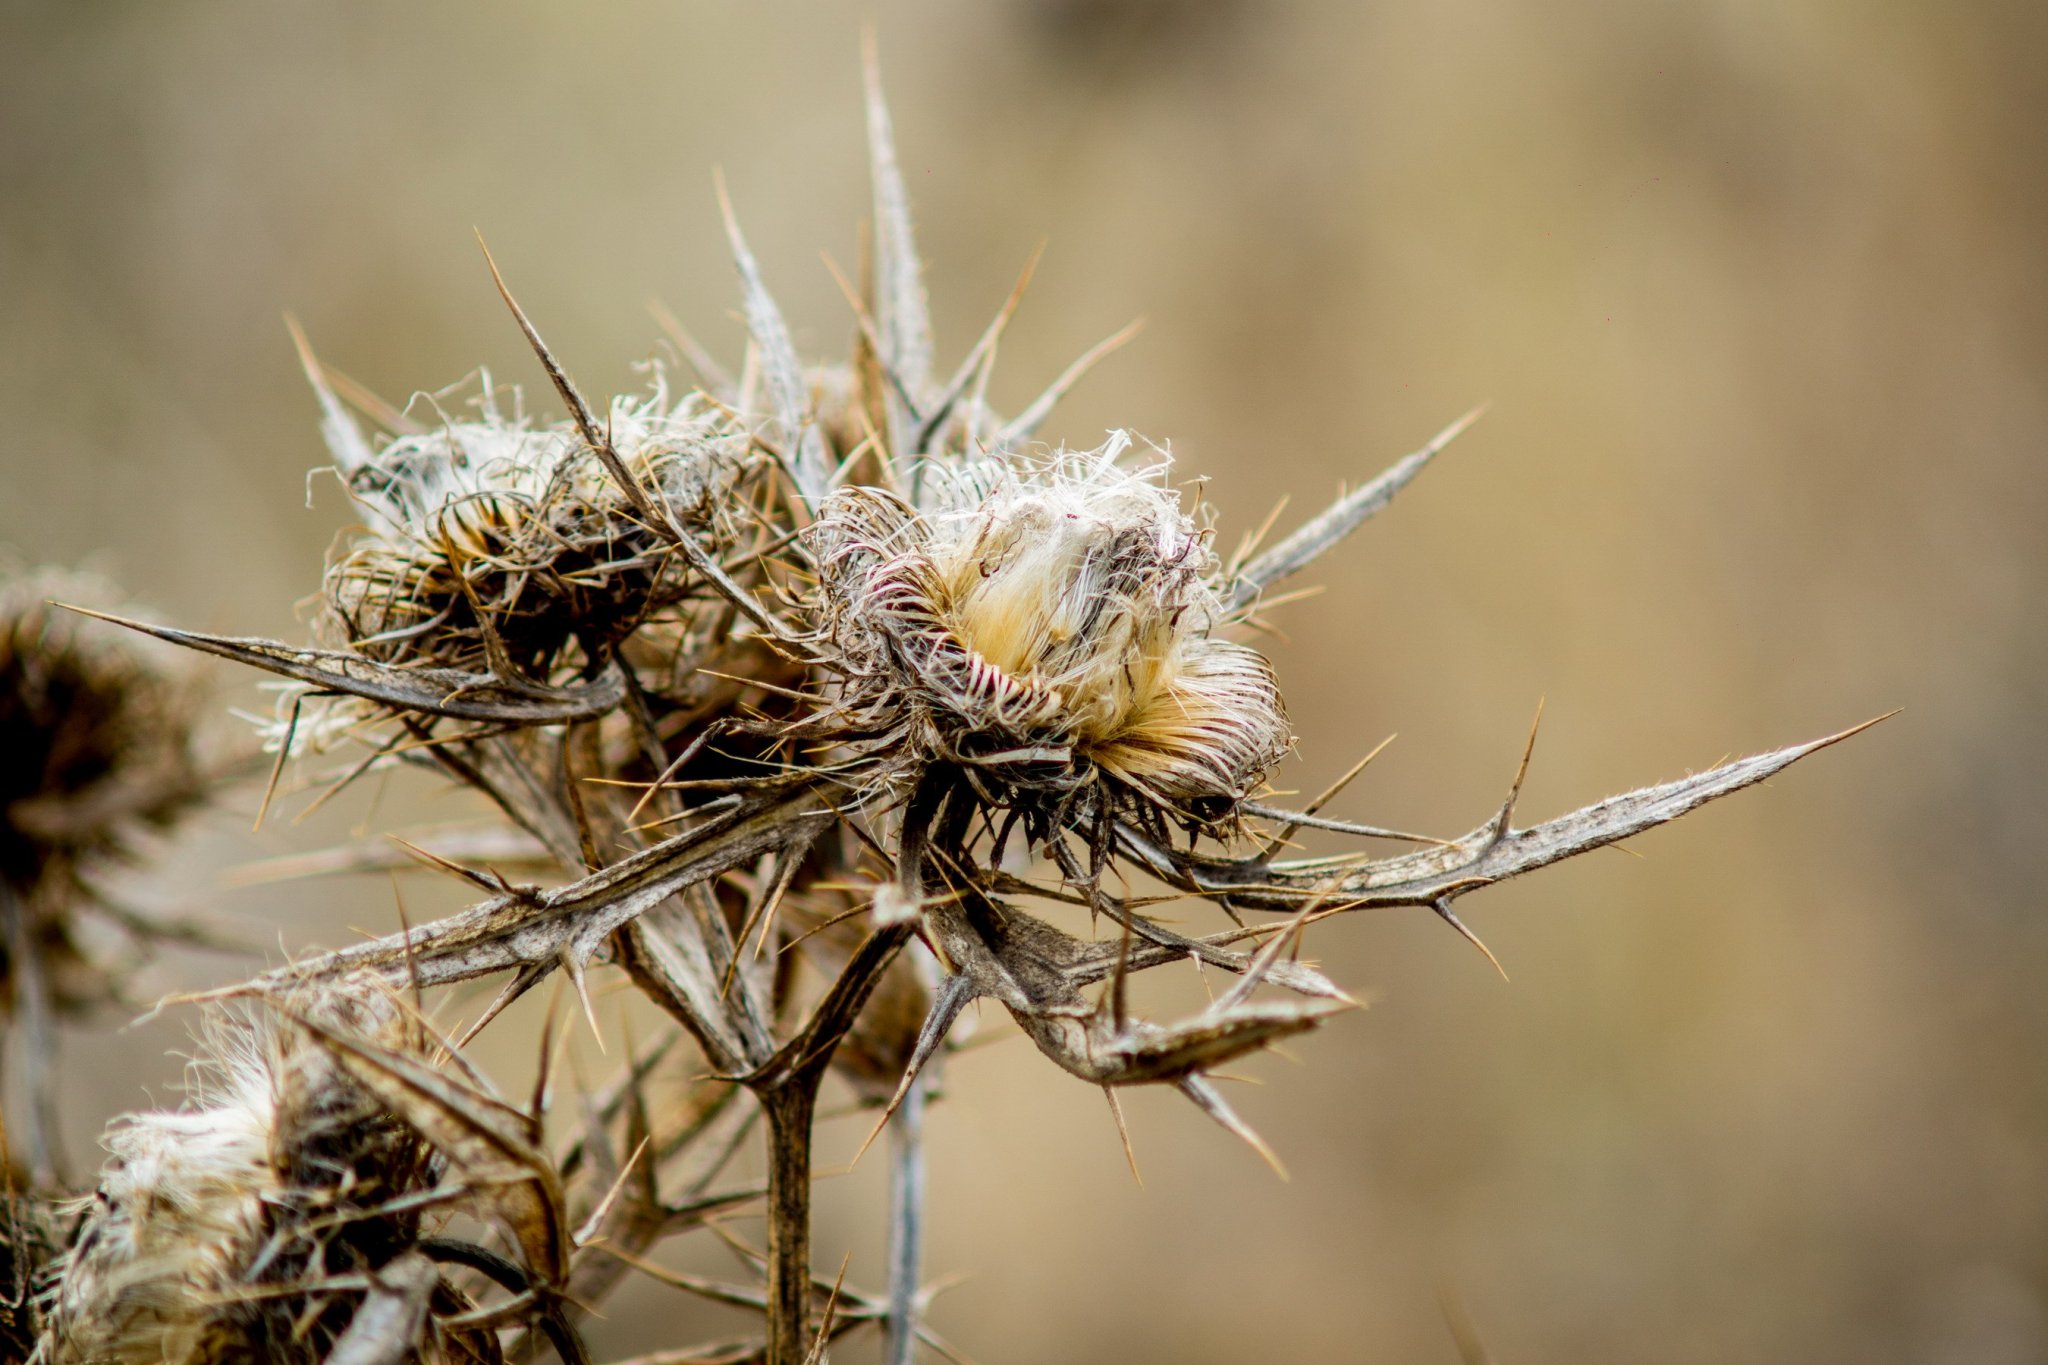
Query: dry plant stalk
95, 754
773, 680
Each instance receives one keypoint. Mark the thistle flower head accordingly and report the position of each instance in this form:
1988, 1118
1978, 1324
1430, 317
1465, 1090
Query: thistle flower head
1044, 619
498, 527
240, 1227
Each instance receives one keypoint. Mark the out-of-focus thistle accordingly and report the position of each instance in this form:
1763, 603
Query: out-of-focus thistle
780, 681
28, 1244
288, 1212
95, 754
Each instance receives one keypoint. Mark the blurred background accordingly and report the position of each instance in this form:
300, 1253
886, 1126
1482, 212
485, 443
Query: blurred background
1759, 294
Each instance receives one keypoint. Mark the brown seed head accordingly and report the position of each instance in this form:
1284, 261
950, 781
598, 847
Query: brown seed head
95, 751
230, 1229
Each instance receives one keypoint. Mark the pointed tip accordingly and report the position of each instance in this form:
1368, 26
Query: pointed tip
880, 1124
736, 242
308, 362
1123, 1132
284, 753
804, 453
1211, 1102
1263, 962
1338, 520
168, 634
572, 398
1026, 423
1852, 731
346, 444
732, 222
1450, 917
429, 858
823, 1337
573, 967
976, 367
902, 313
710, 373
98, 615
1458, 428
491, 263
592, 1229
521, 982
1502, 822
870, 64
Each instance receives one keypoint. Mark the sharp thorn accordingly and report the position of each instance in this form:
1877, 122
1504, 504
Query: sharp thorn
1450, 917
1123, 1132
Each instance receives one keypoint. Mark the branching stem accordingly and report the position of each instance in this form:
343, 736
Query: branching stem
788, 1085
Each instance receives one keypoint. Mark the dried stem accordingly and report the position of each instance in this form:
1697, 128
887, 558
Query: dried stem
790, 1108
36, 1041
906, 1222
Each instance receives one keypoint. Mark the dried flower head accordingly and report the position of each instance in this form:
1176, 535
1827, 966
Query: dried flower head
95, 752
496, 540
1049, 623
260, 1221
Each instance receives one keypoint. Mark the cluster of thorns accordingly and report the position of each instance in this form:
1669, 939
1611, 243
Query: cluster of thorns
815, 695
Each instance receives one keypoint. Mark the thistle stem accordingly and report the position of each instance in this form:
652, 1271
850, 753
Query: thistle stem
790, 1108
906, 1223
36, 1043
788, 1088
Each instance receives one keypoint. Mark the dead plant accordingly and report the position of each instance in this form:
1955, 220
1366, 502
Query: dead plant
785, 683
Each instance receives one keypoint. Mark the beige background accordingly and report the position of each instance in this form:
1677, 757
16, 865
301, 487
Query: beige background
1759, 292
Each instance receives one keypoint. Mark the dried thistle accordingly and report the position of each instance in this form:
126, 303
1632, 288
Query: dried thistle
497, 546
95, 754
289, 1212
772, 674
1050, 624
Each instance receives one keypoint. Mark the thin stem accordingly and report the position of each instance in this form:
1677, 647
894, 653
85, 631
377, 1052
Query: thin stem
906, 1223
36, 1042
790, 1108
